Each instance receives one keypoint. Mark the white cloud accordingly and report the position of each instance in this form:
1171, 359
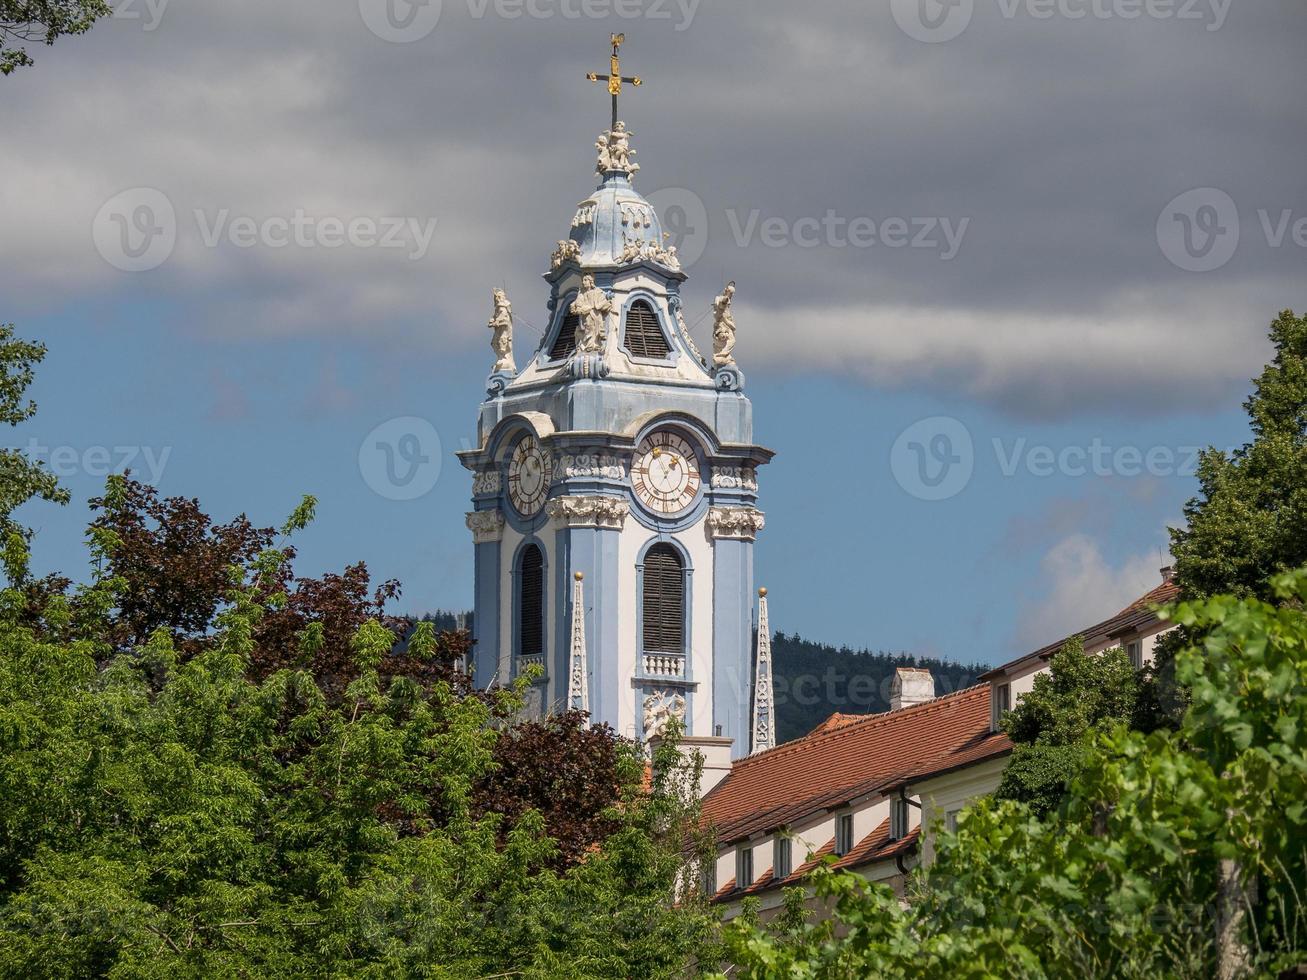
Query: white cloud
1083, 587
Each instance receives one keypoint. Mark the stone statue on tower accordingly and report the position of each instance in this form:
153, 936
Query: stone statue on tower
592, 305
501, 339
723, 330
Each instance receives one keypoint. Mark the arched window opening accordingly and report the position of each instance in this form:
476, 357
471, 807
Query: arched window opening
531, 628
644, 338
565, 343
664, 600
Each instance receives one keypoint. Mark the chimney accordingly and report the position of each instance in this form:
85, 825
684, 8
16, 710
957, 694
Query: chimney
912, 685
716, 752
1168, 573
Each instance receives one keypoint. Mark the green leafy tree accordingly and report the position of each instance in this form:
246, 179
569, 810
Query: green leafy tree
1049, 725
209, 766
41, 22
21, 478
1250, 521
1177, 853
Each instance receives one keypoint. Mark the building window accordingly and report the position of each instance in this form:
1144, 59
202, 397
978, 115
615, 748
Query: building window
951, 821
531, 603
744, 867
644, 337
1000, 703
565, 343
782, 860
1135, 651
898, 818
663, 602
844, 833
708, 876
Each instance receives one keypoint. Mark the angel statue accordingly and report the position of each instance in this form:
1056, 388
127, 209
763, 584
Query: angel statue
614, 146
723, 330
501, 341
592, 305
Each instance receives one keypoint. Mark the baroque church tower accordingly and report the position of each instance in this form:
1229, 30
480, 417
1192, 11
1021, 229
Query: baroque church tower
615, 487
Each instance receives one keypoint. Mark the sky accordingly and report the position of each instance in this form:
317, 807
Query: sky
1002, 266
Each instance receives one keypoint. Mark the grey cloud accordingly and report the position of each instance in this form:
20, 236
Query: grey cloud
1059, 141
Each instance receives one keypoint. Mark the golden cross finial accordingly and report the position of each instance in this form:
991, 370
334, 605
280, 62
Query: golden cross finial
614, 78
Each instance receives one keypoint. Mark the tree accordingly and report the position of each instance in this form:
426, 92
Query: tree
41, 22
21, 479
1250, 521
1078, 695
1177, 853
172, 815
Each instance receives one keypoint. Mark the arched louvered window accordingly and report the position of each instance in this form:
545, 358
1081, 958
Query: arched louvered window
565, 344
644, 338
531, 603
664, 600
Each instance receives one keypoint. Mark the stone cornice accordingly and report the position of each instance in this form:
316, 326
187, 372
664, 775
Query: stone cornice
605, 512
486, 525
740, 523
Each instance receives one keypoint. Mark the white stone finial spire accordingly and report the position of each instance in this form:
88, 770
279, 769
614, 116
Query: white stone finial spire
764, 703
578, 687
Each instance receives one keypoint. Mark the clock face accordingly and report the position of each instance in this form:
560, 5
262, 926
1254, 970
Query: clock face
528, 477
665, 476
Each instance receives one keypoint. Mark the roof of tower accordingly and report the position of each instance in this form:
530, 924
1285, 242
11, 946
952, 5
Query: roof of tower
615, 225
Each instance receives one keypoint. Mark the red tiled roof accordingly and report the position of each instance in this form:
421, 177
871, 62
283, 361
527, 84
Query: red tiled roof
833, 765
1160, 596
838, 720
1134, 617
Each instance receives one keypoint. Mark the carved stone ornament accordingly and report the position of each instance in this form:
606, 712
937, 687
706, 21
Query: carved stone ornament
660, 708
594, 466
566, 251
615, 153
638, 249
486, 482
675, 304
734, 478
605, 512
741, 523
486, 525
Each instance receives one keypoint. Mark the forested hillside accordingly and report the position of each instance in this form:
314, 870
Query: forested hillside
815, 679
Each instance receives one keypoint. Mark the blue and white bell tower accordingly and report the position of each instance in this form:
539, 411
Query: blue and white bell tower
618, 451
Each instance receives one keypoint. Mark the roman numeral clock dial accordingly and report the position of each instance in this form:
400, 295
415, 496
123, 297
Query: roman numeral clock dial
528, 477
665, 475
